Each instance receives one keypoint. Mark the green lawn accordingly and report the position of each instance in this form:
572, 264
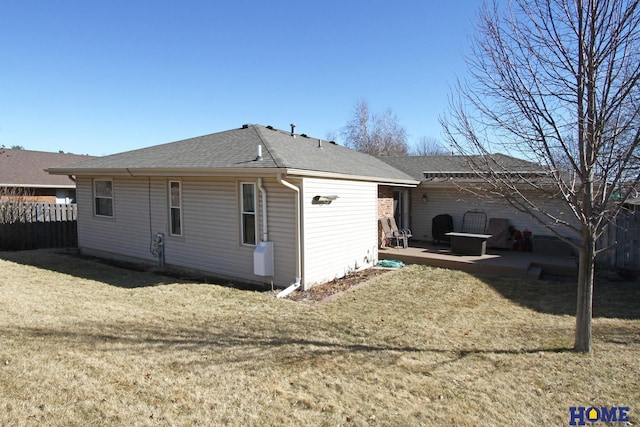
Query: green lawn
84, 343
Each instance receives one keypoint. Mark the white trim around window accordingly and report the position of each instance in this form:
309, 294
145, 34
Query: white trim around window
175, 208
248, 217
103, 197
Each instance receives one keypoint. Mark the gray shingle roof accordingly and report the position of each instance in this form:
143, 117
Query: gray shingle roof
424, 167
237, 149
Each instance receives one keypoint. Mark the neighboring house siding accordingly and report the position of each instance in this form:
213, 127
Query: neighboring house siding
342, 236
211, 237
456, 202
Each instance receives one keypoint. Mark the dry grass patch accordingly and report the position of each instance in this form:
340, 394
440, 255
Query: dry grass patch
83, 343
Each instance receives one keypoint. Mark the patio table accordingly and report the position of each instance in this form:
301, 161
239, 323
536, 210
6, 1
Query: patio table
468, 243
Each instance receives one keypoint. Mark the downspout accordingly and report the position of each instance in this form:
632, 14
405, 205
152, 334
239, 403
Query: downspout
296, 284
265, 235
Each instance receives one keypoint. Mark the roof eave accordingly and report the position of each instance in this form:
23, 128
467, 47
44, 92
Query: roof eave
27, 185
157, 172
226, 172
334, 175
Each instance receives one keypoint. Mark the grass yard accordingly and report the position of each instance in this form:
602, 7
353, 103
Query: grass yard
83, 343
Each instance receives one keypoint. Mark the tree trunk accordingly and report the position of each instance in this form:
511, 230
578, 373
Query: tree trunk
584, 310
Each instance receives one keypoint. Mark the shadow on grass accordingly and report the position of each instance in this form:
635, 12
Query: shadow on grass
232, 347
73, 264
121, 274
610, 300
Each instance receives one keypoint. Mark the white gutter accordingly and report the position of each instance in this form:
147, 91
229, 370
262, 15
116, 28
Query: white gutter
227, 172
14, 184
410, 182
295, 285
265, 235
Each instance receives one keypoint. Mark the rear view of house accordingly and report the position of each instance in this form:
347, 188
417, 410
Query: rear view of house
254, 204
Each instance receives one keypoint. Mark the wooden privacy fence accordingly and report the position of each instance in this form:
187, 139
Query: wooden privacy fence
25, 226
624, 234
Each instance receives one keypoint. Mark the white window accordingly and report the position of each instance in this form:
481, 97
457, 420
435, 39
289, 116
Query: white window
103, 197
248, 213
175, 208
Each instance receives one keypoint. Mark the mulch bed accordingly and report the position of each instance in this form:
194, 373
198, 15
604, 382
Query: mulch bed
336, 287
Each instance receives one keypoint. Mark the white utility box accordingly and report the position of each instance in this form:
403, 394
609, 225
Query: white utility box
263, 259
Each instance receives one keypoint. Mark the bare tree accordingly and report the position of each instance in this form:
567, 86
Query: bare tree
557, 82
428, 146
378, 135
14, 204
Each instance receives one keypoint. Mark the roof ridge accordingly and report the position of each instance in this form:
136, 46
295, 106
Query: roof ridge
267, 146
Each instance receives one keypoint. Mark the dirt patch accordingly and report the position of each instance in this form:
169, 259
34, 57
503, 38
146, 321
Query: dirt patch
336, 287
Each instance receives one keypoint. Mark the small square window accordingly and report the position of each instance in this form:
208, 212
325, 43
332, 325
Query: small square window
103, 197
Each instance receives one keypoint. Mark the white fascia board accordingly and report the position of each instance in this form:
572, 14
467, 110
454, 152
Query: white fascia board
232, 172
248, 172
333, 175
13, 184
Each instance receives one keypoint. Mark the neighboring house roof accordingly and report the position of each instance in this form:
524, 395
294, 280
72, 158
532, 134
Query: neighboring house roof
26, 168
444, 168
236, 151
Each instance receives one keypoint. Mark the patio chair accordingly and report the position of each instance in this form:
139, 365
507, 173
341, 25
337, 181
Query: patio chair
404, 231
499, 230
390, 235
440, 226
474, 222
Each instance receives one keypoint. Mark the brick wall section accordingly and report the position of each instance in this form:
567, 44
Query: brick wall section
385, 209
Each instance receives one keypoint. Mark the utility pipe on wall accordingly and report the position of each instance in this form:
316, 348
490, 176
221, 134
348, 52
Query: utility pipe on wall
295, 285
265, 235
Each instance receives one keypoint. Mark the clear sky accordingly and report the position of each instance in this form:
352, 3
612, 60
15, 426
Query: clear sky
99, 77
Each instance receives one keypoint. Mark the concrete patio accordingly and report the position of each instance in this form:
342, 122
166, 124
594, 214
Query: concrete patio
495, 261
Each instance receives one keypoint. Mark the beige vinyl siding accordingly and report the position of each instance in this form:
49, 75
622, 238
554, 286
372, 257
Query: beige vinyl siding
211, 234
211, 240
342, 236
281, 228
84, 201
127, 232
455, 202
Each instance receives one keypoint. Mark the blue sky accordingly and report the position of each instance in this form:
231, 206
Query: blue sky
99, 77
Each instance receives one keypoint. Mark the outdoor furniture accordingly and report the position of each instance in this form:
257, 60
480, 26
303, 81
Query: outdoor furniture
474, 222
499, 230
468, 243
440, 226
390, 235
394, 228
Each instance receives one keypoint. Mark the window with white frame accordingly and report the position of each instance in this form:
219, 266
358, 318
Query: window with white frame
103, 197
248, 213
175, 208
